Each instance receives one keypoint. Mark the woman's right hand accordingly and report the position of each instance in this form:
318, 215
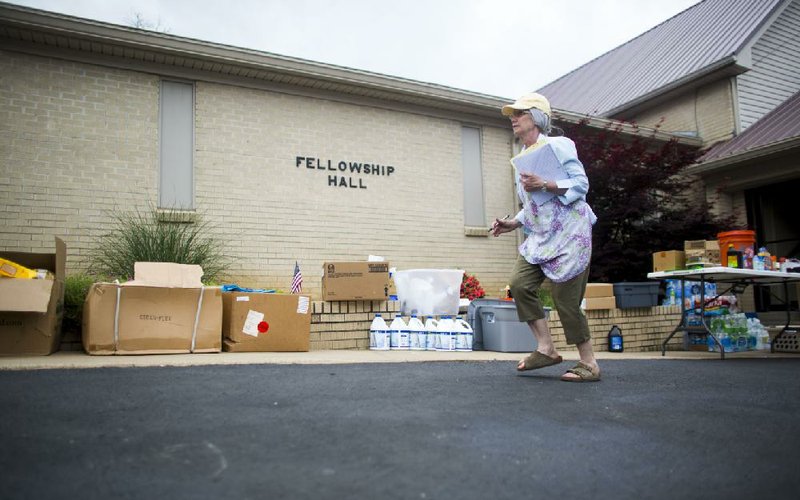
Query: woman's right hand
501, 226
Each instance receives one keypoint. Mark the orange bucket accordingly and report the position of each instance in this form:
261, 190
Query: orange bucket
740, 241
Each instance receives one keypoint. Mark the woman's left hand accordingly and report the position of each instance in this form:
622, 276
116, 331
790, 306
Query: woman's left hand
531, 182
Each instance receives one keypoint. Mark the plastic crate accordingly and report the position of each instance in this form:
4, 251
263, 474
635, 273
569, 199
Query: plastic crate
789, 341
634, 294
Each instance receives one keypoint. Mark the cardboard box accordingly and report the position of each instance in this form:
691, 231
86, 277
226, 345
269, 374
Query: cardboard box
700, 245
265, 322
599, 290
591, 303
669, 260
164, 310
31, 310
711, 256
355, 281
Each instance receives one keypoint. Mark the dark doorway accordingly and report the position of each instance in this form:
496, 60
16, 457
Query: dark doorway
774, 213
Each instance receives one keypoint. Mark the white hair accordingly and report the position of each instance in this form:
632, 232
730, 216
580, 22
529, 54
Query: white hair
541, 120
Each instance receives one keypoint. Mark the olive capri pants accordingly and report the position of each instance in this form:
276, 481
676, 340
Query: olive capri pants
527, 279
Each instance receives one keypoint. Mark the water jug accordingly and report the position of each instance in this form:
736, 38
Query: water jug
379, 334
417, 336
446, 334
432, 333
465, 334
399, 333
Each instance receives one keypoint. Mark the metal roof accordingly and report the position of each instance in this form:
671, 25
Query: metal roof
780, 126
702, 39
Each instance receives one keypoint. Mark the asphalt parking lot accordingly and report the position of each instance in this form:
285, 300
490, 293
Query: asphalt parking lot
449, 429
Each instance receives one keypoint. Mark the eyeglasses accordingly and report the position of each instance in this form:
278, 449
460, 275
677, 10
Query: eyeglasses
519, 112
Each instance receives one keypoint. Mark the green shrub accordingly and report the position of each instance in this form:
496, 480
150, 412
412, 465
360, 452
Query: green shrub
546, 298
76, 286
157, 236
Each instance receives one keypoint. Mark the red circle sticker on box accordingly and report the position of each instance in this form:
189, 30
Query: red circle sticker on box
263, 327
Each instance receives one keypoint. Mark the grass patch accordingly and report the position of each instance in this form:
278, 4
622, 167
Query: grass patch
158, 235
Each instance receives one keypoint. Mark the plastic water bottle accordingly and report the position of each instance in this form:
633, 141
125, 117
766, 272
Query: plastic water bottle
379, 334
399, 333
431, 333
446, 334
417, 336
465, 335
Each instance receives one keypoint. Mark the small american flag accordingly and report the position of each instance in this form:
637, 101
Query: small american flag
297, 280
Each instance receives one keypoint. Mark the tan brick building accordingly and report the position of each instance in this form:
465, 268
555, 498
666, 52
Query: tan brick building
290, 160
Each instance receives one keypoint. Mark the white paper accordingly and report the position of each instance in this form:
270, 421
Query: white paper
166, 274
302, 305
543, 162
243, 298
251, 323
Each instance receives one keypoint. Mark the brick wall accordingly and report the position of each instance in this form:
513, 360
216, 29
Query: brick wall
76, 140
345, 325
81, 140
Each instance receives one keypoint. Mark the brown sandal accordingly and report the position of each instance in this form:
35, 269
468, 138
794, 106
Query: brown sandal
584, 374
536, 360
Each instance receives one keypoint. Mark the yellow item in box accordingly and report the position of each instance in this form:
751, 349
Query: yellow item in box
10, 269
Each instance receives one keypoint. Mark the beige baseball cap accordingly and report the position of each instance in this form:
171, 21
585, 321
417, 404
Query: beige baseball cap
528, 101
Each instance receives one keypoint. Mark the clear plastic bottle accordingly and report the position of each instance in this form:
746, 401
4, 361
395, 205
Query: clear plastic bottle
416, 338
379, 334
399, 333
762, 261
764, 339
432, 333
465, 335
446, 334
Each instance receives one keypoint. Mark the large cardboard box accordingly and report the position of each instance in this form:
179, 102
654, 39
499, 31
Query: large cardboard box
31, 310
265, 322
355, 281
591, 303
599, 290
669, 260
164, 310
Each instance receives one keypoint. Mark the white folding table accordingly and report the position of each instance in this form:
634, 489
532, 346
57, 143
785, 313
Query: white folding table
737, 279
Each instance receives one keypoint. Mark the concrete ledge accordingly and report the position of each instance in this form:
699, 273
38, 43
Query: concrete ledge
78, 360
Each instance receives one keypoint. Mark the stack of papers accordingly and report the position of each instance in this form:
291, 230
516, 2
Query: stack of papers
541, 161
